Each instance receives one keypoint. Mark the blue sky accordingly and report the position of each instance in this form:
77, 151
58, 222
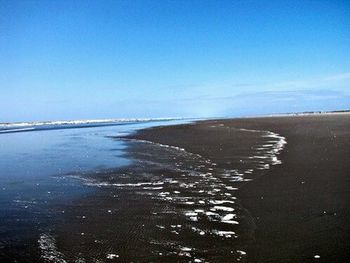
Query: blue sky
120, 59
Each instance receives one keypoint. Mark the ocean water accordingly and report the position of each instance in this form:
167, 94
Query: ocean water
33, 175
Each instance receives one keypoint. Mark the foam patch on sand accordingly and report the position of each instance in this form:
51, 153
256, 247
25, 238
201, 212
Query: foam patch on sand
194, 192
226, 234
49, 252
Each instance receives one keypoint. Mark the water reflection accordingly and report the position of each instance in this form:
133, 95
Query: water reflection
30, 183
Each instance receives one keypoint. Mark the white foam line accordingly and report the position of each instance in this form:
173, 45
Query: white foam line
185, 249
249, 130
152, 188
112, 256
272, 148
231, 188
220, 202
226, 234
124, 185
222, 208
233, 222
16, 130
228, 217
198, 231
49, 252
92, 121
191, 213
174, 148
259, 157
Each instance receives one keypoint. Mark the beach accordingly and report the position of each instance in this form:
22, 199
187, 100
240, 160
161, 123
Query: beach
175, 131
262, 189
296, 211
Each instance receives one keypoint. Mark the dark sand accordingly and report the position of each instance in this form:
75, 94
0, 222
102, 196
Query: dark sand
300, 208
179, 205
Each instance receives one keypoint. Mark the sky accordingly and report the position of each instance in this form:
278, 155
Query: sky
64, 60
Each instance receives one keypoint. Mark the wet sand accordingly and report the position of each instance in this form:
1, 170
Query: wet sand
170, 204
299, 209
272, 189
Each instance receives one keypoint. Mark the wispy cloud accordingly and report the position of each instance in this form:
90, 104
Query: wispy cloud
290, 96
317, 82
343, 76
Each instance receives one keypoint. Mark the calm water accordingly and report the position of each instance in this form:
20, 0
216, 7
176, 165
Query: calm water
31, 169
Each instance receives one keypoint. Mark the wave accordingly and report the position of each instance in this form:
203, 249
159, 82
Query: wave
10, 127
17, 130
93, 121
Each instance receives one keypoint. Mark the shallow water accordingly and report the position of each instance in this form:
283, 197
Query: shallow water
33, 166
80, 196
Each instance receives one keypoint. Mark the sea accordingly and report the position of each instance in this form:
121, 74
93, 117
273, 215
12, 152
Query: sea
36, 164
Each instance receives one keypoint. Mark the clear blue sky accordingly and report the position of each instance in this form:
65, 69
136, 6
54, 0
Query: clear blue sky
111, 59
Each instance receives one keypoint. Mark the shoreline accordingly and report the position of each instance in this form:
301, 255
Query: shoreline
272, 189
300, 212
169, 205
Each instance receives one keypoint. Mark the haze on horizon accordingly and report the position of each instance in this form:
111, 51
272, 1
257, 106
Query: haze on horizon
138, 59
